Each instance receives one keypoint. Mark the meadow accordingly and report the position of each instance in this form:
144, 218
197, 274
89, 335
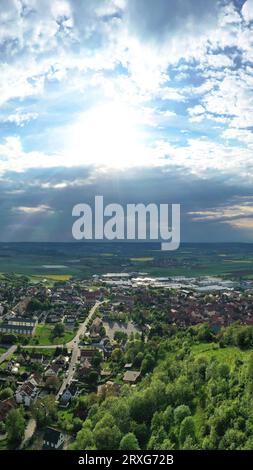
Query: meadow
43, 336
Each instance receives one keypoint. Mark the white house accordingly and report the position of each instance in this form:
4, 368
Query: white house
53, 439
27, 392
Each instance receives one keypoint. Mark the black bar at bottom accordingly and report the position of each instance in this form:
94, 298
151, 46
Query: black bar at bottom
110, 459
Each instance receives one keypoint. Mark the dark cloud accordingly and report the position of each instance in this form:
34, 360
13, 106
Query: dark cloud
160, 18
158, 185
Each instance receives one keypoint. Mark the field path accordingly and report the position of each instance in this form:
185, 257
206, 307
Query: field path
29, 431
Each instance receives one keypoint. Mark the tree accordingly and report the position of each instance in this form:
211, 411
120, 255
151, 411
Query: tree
168, 418
142, 406
189, 444
81, 408
9, 339
120, 336
92, 377
183, 391
181, 412
2, 427
96, 360
204, 333
85, 440
147, 364
129, 442
58, 330
224, 371
106, 433
243, 337
120, 412
77, 424
15, 427
233, 439
6, 393
141, 431
250, 369
116, 355
187, 430
138, 359
53, 383
167, 445
157, 438
107, 438
34, 305
45, 410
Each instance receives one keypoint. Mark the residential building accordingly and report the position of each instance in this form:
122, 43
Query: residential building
53, 439
131, 377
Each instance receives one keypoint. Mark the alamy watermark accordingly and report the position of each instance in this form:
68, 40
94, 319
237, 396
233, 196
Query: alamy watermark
131, 222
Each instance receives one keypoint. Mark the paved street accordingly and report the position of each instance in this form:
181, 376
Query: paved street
74, 344
8, 353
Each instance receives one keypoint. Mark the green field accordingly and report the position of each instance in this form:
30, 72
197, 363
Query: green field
43, 336
142, 260
227, 355
46, 352
50, 277
56, 262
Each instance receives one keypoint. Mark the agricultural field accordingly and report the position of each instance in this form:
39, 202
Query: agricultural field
58, 262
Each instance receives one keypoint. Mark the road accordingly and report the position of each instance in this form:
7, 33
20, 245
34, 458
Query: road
74, 345
8, 353
81, 330
29, 431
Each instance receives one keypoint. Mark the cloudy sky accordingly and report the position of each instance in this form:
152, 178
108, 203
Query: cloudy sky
136, 100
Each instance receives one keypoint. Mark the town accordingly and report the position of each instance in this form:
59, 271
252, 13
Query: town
61, 341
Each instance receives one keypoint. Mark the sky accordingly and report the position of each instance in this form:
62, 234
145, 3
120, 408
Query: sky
136, 100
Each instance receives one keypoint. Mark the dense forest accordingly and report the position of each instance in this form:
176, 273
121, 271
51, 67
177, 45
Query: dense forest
196, 393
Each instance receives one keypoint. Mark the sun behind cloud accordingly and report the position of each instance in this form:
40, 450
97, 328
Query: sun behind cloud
110, 135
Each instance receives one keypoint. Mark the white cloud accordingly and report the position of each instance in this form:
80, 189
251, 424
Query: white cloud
245, 223
14, 158
245, 136
236, 215
247, 10
196, 110
57, 38
207, 158
33, 210
226, 213
80, 44
233, 97
218, 60
171, 94
19, 117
